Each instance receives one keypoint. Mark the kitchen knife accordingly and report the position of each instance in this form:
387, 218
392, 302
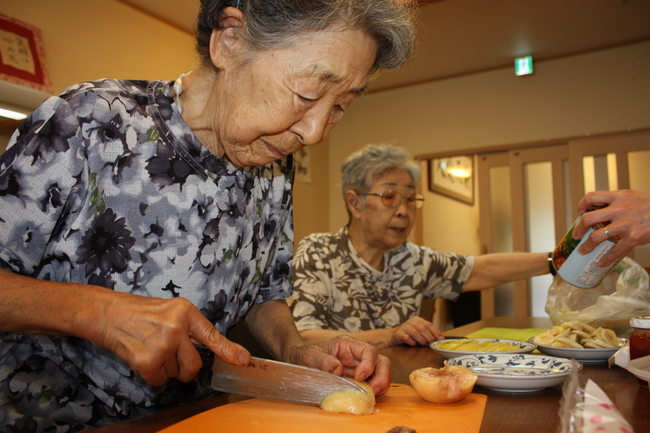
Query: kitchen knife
264, 378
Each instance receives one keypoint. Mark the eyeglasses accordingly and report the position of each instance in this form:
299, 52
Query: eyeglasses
394, 199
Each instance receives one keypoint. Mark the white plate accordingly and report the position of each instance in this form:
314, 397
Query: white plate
516, 372
588, 356
640, 367
520, 347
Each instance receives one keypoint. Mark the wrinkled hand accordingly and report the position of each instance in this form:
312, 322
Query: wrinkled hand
345, 356
629, 216
416, 331
155, 337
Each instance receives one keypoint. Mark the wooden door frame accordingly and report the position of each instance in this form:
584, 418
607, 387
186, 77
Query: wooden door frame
619, 145
485, 163
556, 155
577, 148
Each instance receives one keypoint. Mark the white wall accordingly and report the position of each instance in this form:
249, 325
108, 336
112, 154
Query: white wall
463, 236
599, 92
91, 39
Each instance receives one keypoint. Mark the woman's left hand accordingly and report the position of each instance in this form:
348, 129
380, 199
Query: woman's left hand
345, 356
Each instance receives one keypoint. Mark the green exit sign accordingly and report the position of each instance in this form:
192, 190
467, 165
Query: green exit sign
523, 66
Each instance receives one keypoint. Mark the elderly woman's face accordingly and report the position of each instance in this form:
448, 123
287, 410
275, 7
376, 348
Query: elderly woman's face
384, 227
286, 99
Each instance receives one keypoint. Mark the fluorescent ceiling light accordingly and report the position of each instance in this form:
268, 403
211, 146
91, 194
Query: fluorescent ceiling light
19, 99
11, 114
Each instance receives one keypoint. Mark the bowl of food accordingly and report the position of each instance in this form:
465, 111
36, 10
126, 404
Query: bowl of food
579, 341
467, 346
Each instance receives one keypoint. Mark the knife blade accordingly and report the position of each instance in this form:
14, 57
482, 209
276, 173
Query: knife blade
265, 378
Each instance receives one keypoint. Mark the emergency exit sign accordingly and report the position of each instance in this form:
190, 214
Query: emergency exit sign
523, 66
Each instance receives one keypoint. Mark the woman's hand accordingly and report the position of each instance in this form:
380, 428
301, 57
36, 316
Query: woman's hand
273, 326
416, 331
628, 215
345, 356
156, 337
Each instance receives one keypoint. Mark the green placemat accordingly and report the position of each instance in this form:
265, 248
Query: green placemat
507, 333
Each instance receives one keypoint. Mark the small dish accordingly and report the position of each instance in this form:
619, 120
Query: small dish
516, 372
517, 347
585, 356
640, 367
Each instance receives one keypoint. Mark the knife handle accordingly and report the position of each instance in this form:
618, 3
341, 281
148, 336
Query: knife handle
207, 356
205, 374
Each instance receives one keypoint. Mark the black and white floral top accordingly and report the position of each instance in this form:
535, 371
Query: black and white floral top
334, 288
107, 185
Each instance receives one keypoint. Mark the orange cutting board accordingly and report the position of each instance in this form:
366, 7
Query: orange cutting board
400, 406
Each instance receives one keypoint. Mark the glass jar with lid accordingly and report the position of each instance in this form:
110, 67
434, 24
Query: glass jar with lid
640, 340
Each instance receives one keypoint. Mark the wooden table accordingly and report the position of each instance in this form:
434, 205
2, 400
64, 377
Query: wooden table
505, 412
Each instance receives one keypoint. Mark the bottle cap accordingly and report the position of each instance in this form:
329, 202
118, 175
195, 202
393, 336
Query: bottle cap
640, 322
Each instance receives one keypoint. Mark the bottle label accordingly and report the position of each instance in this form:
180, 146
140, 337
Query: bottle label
577, 269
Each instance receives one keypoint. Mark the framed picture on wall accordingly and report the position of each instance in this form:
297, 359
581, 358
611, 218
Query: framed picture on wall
453, 177
22, 58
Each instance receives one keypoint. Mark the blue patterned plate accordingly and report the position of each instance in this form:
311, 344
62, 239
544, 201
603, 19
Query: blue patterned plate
517, 346
516, 373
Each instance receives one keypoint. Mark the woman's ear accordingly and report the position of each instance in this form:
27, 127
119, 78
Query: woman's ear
353, 202
224, 40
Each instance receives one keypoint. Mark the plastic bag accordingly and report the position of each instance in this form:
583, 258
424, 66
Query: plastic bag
585, 408
622, 295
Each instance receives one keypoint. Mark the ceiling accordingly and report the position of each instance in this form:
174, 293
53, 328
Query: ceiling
459, 37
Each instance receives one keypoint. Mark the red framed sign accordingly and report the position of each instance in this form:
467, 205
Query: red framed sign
22, 58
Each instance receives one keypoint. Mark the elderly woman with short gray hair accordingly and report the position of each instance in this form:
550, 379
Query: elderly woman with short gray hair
366, 280
139, 218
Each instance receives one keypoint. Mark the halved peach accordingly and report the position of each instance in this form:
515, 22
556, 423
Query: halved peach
443, 385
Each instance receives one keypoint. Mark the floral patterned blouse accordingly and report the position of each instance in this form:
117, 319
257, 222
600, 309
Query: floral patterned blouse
334, 288
107, 185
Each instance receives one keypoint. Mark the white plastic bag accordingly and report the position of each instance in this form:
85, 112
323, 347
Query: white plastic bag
585, 408
622, 295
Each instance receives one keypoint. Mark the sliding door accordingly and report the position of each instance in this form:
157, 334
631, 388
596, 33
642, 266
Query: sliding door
528, 199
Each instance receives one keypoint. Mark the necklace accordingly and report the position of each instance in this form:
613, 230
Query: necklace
177, 89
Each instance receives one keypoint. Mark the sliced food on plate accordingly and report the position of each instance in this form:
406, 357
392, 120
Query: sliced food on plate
579, 341
579, 336
452, 348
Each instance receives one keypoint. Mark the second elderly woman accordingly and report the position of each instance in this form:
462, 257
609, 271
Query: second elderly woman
367, 280
138, 218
